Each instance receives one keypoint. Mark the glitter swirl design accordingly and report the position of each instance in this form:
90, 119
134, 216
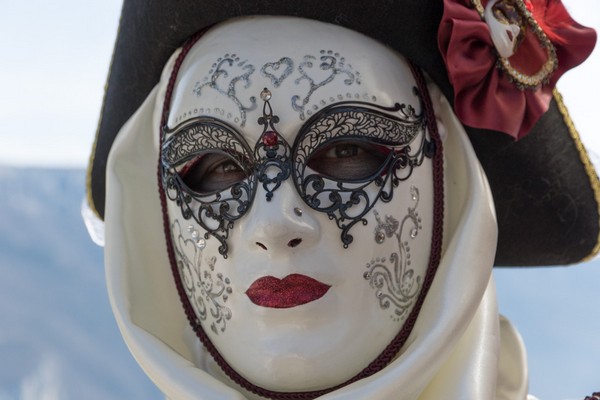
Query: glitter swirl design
207, 290
320, 72
392, 278
228, 74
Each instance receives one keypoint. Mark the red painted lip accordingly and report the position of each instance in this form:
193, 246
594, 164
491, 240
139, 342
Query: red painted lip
291, 291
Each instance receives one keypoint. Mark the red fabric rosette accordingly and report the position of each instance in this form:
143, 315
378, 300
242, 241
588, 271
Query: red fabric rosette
484, 96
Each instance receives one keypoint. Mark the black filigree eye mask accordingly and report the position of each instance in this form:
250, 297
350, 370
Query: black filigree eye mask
349, 146
207, 169
212, 174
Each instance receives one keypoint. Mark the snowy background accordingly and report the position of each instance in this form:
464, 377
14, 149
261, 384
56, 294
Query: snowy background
58, 339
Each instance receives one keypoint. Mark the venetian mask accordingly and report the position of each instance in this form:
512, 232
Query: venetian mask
507, 27
297, 164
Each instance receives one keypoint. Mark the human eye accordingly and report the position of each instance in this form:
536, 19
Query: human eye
348, 159
212, 172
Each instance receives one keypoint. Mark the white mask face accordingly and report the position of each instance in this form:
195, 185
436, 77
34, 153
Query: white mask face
295, 291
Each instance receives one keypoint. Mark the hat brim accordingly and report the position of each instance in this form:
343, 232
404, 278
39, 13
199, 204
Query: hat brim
545, 189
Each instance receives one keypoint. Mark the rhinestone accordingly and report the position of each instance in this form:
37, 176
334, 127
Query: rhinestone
380, 237
201, 244
298, 211
265, 95
269, 138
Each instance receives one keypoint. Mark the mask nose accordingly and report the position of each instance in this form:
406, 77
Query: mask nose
281, 225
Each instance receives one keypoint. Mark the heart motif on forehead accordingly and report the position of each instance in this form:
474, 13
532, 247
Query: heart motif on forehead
271, 70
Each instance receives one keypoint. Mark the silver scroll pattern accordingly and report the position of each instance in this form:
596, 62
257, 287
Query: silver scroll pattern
225, 75
230, 73
330, 66
393, 279
209, 292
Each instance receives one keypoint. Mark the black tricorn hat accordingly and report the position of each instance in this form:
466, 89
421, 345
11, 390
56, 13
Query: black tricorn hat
546, 191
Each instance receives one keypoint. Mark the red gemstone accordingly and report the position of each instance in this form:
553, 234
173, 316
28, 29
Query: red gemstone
269, 138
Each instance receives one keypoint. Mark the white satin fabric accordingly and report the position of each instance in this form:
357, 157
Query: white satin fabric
458, 348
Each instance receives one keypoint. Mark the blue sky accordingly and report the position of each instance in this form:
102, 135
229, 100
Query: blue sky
55, 58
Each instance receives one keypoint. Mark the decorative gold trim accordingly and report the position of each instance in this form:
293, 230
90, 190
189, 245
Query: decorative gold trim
90, 166
479, 7
585, 160
521, 80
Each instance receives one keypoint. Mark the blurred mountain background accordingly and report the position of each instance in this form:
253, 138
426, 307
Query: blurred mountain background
58, 339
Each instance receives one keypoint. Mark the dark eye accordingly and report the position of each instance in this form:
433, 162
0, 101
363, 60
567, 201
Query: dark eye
349, 160
212, 173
